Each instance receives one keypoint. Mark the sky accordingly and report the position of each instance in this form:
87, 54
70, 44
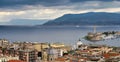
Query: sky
51, 9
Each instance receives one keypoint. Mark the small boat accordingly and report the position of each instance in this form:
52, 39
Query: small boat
77, 26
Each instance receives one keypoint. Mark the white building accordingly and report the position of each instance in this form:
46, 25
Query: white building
79, 43
7, 58
54, 53
4, 42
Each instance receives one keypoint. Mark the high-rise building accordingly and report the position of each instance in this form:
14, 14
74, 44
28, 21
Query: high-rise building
28, 55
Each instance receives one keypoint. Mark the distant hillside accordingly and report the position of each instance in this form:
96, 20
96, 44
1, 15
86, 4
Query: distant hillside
91, 18
26, 22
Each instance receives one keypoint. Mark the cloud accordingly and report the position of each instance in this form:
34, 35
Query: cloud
92, 0
51, 9
20, 3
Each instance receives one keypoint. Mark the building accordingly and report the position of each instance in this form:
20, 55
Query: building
40, 46
4, 42
15, 61
95, 49
44, 55
79, 43
28, 55
12, 52
7, 58
53, 54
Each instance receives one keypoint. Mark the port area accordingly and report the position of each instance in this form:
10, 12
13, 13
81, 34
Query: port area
99, 36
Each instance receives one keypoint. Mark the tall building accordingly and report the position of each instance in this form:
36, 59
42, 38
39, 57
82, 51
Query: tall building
41, 50
44, 55
28, 55
4, 42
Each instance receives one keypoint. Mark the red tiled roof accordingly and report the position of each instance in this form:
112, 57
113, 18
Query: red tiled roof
108, 55
15, 61
61, 59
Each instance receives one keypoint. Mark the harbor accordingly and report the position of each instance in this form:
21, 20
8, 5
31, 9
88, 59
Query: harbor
100, 36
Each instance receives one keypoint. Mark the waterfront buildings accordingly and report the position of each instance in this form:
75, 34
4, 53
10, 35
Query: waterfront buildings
58, 52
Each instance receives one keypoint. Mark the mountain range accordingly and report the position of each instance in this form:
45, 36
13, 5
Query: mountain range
90, 18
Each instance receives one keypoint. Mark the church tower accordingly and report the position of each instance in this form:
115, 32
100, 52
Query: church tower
79, 43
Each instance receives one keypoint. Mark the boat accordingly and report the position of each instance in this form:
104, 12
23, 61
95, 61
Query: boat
77, 26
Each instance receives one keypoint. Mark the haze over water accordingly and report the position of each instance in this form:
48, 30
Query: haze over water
64, 34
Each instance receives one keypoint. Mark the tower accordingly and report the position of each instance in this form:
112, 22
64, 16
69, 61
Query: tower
79, 43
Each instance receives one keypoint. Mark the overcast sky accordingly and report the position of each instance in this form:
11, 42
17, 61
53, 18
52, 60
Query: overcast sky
51, 9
